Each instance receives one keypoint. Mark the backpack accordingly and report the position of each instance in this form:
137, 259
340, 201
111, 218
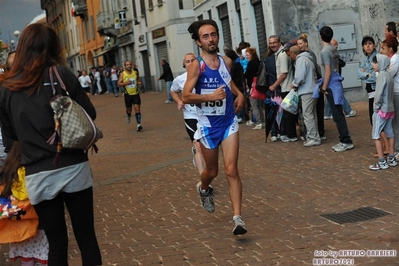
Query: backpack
262, 81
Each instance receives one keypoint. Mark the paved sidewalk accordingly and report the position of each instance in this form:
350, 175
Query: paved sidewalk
147, 211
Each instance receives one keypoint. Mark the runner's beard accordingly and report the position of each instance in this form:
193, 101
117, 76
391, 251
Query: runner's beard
214, 50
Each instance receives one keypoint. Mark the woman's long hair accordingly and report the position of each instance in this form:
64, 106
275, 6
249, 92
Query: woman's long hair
8, 171
38, 48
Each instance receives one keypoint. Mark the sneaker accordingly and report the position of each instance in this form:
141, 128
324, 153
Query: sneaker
206, 199
194, 151
239, 120
392, 162
274, 138
116, 95
303, 138
327, 117
257, 127
168, 101
323, 137
128, 119
283, 138
351, 113
396, 155
311, 142
287, 139
342, 147
379, 166
239, 226
250, 123
139, 127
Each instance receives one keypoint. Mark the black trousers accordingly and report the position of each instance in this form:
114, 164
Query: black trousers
52, 219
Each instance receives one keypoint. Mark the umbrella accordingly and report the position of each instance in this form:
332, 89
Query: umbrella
273, 112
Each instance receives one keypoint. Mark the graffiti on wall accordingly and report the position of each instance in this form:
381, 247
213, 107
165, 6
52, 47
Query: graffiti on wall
349, 56
373, 10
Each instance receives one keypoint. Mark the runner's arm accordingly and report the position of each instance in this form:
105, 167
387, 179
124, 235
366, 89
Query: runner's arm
120, 79
192, 78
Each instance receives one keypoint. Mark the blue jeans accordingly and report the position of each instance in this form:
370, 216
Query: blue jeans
339, 119
109, 84
347, 108
115, 87
168, 85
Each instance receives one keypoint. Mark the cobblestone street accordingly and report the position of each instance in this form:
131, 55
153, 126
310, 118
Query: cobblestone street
147, 210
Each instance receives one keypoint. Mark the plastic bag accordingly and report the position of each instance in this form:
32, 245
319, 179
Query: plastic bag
290, 102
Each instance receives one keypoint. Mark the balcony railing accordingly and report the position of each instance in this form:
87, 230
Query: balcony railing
106, 23
80, 7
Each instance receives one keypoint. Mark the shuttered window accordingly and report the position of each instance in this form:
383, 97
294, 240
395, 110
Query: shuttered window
162, 52
224, 19
260, 27
238, 10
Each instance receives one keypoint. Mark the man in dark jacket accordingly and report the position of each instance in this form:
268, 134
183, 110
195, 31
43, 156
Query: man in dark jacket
167, 75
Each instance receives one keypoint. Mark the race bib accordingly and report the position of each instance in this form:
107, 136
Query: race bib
214, 107
132, 84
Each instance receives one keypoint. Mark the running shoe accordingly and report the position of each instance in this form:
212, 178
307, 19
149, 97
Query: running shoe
206, 199
239, 226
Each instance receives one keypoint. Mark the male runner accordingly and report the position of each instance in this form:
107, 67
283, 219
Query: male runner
129, 79
217, 123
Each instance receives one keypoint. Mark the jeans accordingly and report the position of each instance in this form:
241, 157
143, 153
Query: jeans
109, 84
339, 119
115, 87
168, 85
347, 108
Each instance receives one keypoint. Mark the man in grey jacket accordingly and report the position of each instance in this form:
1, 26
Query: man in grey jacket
304, 82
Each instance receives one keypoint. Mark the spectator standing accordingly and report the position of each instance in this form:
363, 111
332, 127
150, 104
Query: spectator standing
383, 112
50, 187
114, 80
285, 76
304, 46
97, 79
304, 82
107, 75
274, 49
167, 75
332, 88
85, 82
257, 106
389, 47
346, 107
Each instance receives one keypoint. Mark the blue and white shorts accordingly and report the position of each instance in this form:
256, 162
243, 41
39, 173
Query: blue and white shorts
211, 137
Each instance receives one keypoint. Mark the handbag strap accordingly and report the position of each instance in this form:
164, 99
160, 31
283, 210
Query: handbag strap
54, 68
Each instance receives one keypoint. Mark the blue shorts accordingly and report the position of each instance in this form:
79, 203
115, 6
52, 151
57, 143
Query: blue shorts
380, 124
211, 137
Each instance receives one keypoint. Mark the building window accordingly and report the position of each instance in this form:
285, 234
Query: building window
160, 3
181, 4
260, 26
238, 10
209, 14
200, 17
150, 5
142, 8
224, 19
134, 10
86, 32
93, 32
